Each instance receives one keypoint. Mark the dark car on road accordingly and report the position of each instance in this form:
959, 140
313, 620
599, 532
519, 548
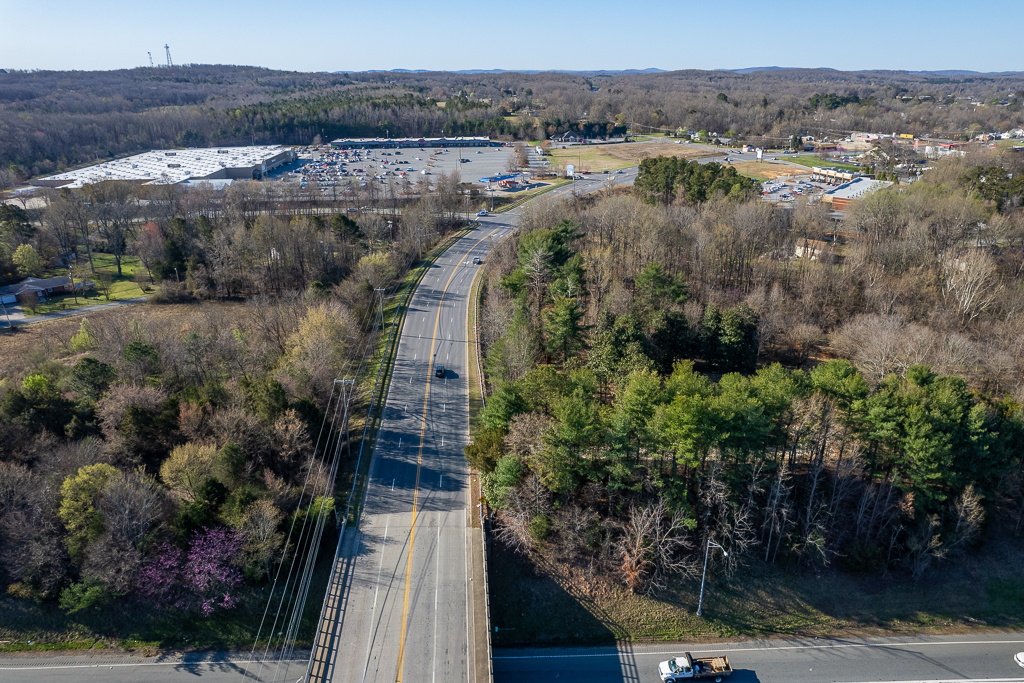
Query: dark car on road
439, 371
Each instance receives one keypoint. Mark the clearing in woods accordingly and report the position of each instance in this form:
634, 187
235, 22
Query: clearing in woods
598, 158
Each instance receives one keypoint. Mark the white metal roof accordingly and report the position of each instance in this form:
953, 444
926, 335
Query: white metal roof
164, 167
858, 187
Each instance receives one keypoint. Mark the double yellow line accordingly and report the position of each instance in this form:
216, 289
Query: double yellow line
419, 460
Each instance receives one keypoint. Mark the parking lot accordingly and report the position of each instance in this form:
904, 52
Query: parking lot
336, 170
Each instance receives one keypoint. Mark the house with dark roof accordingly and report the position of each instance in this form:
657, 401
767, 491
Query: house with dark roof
42, 288
569, 136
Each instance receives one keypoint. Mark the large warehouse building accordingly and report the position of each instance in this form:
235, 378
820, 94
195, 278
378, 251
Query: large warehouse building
408, 143
168, 167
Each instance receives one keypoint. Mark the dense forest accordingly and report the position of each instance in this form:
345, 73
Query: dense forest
50, 121
161, 459
664, 371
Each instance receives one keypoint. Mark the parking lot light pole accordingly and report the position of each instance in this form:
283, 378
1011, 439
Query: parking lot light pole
707, 550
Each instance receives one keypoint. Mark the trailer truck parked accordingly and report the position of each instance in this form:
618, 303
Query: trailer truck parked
686, 667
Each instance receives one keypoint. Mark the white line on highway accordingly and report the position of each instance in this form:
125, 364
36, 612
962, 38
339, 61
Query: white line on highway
964, 680
834, 646
369, 636
465, 559
221, 662
437, 587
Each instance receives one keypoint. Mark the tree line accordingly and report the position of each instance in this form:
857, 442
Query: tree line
663, 370
54, 120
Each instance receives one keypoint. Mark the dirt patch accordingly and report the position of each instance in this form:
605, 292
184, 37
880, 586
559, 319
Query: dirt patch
768, 170
598, 158
635, 151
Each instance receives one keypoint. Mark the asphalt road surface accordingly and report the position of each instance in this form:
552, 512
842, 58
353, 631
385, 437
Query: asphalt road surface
403, 613
954, 658
402, 609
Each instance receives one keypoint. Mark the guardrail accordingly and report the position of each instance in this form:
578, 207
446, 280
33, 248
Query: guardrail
486, 544
476, 335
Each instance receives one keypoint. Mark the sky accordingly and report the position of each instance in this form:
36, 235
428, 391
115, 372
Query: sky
343, 35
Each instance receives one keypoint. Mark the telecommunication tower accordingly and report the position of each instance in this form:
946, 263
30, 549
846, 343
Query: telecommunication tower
167, 48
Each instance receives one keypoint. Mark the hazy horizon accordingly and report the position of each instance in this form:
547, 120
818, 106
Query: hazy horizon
531, 36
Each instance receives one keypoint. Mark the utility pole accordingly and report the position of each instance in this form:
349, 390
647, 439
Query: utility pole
167, 48
707, 550
150, 59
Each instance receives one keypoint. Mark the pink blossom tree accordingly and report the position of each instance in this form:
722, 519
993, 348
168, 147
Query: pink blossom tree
203, 578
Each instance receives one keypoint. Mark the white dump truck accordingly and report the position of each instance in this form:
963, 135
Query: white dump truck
686, 667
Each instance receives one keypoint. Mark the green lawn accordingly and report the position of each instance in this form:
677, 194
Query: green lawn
122, 287
812, 161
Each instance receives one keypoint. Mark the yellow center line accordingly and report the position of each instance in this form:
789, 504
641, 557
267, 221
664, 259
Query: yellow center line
419, 461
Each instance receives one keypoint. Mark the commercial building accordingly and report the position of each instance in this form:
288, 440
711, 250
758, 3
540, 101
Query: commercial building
169, 167
840, 197
831, 176
409, 143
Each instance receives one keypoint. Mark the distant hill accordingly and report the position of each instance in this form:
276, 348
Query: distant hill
613, 72
654, 70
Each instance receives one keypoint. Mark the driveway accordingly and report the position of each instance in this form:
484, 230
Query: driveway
16, 317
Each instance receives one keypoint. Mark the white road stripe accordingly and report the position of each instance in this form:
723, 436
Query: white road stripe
221, 662
834, 646
369, 636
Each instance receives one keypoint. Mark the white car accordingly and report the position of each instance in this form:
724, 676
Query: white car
1019, 658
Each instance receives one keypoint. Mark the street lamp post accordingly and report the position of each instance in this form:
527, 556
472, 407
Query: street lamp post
707, 550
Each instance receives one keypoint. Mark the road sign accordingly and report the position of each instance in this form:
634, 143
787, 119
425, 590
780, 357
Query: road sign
570, 170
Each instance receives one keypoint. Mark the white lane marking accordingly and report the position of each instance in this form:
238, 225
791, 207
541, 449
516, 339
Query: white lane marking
369, 636
465, 559
834, 646
437, 588
210, 662
400, 438
392, 484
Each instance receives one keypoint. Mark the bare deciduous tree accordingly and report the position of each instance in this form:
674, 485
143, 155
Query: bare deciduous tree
651, 548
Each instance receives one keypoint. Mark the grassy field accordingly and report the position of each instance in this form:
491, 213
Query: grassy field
598, 158
122, 287
543, 604
812, 161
